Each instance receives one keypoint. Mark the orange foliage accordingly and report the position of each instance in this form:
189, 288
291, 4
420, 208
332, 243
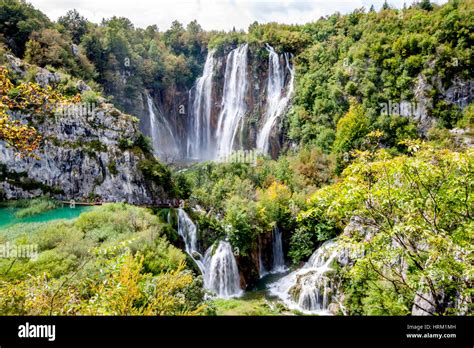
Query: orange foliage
25, 97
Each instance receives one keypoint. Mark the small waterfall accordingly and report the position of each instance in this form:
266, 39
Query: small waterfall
188, 231
309, 289
277, 100
278, 257
223, 274
233, 100
199, 133
163, 139
219, 270
152, 121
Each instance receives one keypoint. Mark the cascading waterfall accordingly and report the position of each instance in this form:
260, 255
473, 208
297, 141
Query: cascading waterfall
163, 139
223, 274
309, 289
219, 270
188, 231
233, 100
199, 137
278, 256
277, 99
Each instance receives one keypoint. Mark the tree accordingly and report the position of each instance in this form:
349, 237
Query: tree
350, 133
50, 47
18, 20
74, 24
173, 37
426, 5
415, 220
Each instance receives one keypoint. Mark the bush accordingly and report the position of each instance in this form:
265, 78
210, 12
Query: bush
157, 172
144, 143
90, 97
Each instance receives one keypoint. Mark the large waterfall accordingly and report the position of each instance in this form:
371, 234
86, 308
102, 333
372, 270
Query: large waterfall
233, 103
277, 98
162, 137
311, 288
199, 142
215, 131
278, 256
219, 268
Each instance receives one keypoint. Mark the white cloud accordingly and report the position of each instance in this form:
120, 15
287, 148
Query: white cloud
211, 14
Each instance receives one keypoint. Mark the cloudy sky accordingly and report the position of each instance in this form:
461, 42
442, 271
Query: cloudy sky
211, 14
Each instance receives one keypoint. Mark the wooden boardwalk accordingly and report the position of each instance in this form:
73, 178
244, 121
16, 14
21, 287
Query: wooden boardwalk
161, 204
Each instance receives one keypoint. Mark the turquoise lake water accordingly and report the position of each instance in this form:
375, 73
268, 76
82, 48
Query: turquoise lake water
7, 215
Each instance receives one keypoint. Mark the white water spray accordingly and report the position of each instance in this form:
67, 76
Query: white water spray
162, 137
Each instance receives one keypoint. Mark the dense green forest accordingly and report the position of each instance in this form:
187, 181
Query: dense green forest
348, 159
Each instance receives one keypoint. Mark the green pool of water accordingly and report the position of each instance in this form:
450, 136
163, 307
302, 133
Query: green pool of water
7, 215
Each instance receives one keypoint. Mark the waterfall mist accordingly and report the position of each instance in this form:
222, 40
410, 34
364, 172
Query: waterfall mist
162, 137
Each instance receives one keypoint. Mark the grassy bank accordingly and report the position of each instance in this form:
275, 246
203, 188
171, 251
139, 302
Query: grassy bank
251, 304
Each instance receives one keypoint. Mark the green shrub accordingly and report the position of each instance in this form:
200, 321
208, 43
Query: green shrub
156, 172
90, 97
112, 167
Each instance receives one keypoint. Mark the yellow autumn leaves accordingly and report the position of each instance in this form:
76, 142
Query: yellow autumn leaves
25, 97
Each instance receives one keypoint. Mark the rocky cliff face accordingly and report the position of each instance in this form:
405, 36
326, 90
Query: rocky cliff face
84, 155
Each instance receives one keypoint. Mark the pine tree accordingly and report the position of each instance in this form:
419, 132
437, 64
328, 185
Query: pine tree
426, 5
